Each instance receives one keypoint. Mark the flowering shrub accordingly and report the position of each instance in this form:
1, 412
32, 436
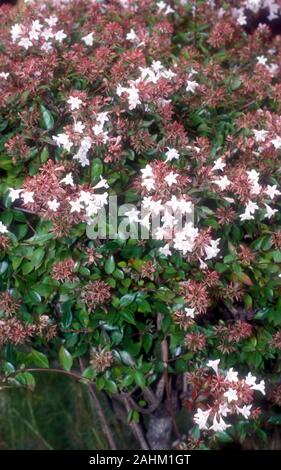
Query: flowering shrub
171, 108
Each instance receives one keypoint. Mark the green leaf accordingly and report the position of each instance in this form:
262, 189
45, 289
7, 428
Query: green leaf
140, 379
37, 257
109, 265
26, 379
47, 120
38, 359
111, 387
96, 170
65, 359
127, 300
67, 314
3, 267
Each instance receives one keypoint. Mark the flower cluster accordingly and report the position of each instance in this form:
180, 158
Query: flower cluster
230, 395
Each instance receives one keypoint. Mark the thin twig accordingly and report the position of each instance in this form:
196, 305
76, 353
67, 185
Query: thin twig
102, 418
101, 415
136, 427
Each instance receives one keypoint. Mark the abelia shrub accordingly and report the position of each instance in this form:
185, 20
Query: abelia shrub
173, 110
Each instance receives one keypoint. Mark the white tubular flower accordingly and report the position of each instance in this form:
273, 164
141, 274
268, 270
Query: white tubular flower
231, 395
89, 39
74, 102
3, 228
201, 418
68, 179
27, 196
14, 194
214, 364
53, 205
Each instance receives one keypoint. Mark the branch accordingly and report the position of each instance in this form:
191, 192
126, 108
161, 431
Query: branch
136, 427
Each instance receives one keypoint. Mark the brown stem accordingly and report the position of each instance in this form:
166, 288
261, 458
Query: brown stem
102, 418
101, 415
136, 427
73, 375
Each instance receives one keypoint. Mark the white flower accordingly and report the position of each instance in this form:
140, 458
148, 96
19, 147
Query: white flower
253, 177
68, 179
212, 250
231, 395
202, 264
47, 34
260, 135
4, 75
250, 209
101, 184
25, 43
191, 86
102, 117
260, 387
3, 228
214, 365
232, 375
133, 215
224, 410
86, 197
172, 154
219, 165
223, 182
78, 127
60, 35
27, 196
169, 10
153, 206
14, 194
165, 250
245, 410
75, 206
190, 312
201, 417
62, 140
53, 205
276, 143
242, 19
161, 6
52, 20
168, 220
98, 129
171, 178
184, 240
47, 46
145, 221
269, 211
89, 39
272, 191
250, 379
131, 36
219, 426
74, 102
82, 153
147, 172
148, 183
16, 31
262, 60
33, 35
133, 97
36, 25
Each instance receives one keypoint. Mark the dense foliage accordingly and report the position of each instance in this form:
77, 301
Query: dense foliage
157, 103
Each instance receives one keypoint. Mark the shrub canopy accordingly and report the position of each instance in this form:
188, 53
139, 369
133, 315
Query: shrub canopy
162, 104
